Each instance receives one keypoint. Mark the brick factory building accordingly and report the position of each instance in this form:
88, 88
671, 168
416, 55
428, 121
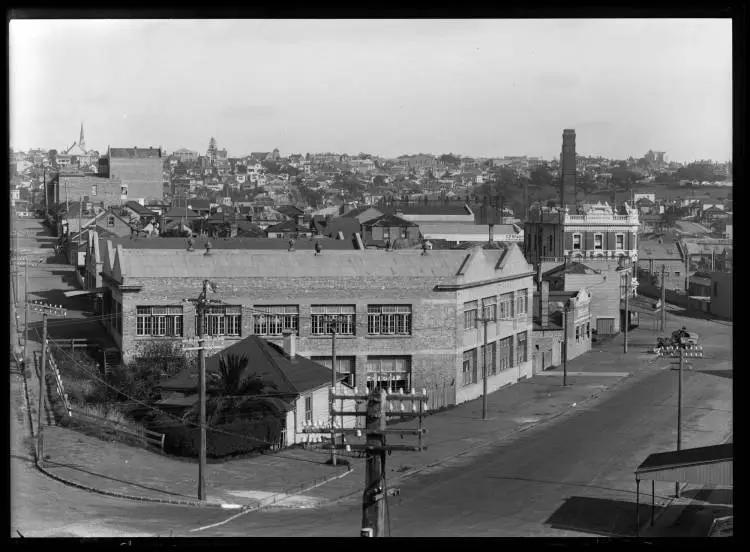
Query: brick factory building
408, 319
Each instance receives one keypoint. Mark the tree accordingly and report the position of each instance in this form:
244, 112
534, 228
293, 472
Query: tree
233, 394
379, 180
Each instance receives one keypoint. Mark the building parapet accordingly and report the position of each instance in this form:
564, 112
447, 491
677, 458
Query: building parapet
603, 218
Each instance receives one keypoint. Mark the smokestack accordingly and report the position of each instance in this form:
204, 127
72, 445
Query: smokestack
567, 162
544, 304
290, 344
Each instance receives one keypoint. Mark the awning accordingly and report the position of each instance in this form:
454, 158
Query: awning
698, 466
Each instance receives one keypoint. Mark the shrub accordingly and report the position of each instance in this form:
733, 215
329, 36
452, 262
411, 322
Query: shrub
238, 437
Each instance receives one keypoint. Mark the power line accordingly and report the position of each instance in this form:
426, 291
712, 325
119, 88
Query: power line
176, 418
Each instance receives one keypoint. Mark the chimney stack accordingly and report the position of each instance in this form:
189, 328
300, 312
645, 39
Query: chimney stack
544, 304
290, 344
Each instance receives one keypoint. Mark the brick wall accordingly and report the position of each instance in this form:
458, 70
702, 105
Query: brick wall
107, 189
143, 177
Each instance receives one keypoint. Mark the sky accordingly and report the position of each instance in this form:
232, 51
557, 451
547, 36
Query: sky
476, 87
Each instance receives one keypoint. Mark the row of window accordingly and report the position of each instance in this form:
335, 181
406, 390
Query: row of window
599, 241
501, 307
389, 372
501, 355
583, 331
226, 320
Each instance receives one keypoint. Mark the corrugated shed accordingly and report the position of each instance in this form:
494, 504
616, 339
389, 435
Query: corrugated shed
698, 466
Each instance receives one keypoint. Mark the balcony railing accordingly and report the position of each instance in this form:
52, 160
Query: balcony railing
608, 256
603, 218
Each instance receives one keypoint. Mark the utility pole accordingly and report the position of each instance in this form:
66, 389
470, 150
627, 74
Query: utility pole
565, 345
332, 322
485, 320
46, 310
680, 351
201, 303
26, 308
627, 314
379, 408
663, 300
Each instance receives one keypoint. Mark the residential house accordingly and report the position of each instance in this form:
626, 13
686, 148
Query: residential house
388, 303
138, 211
385, 229
301, 387
290, 229
661, 250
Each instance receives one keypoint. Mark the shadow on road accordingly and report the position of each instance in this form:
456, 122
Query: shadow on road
600, 516
721, 373
711, 496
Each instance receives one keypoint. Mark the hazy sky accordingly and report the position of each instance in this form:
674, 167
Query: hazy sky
481, 87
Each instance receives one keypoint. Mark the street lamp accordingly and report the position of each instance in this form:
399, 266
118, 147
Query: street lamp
681, 352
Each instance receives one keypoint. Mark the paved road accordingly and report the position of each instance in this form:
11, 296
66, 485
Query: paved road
571, 477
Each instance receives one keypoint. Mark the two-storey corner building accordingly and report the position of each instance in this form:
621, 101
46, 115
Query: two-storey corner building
594, 231
407, 319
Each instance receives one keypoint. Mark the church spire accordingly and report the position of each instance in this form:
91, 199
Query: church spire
81, 141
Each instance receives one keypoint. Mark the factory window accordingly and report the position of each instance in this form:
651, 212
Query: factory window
159, 321
522, 301
389, 372
489, 308
505, 353
343, 315
276, 319
598, 241
470, 367
619, 241
389, 319
470, 315
491, 358
221, 320
344, 366
576, 241
506, 306
522, 348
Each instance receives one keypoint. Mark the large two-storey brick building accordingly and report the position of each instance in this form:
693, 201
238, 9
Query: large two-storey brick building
407, 319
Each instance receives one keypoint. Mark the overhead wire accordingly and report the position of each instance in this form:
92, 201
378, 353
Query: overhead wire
180, 420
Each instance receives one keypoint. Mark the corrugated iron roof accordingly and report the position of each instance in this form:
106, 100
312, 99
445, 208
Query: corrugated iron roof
699, 466
245, 243
144, 263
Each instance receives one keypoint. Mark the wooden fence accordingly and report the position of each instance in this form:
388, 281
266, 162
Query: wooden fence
145, 436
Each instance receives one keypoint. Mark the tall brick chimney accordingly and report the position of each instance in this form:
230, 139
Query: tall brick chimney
544, 304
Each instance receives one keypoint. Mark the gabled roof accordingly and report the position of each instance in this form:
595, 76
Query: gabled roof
571, 268
180, 212
292, 377
139, 209
202, 204
288, 226
290, 210
389, 221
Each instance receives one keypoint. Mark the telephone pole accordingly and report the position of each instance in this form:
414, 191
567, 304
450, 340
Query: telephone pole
565, 345
627, 314
201, 303
485, 319
663, 300
46, 310
680, 351
379, 407
333, 322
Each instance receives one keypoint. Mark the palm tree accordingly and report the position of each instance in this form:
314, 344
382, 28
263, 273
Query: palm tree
232, 394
